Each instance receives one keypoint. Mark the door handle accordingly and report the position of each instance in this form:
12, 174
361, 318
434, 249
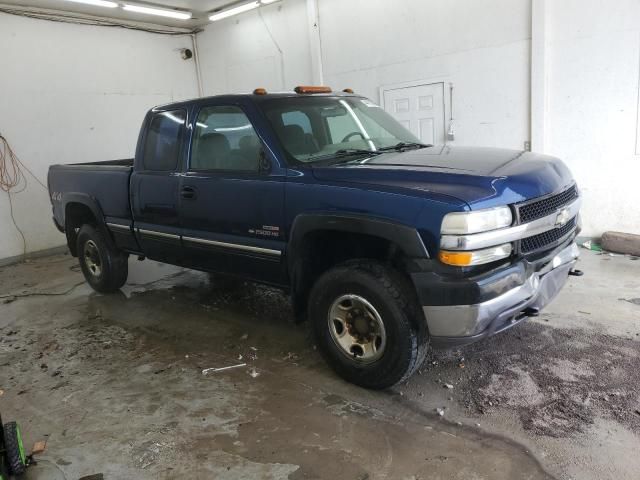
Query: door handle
188, 192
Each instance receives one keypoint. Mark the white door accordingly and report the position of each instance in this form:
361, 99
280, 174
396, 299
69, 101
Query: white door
420, 109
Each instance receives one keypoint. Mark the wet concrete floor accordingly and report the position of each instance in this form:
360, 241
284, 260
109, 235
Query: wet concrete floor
115, 385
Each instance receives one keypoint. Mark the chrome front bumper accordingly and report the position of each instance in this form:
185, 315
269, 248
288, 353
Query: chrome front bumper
462, 324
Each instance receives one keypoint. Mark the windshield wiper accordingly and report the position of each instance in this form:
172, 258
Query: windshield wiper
346, 152
399, 147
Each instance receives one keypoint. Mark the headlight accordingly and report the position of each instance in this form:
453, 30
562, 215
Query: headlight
462, 223
476, 257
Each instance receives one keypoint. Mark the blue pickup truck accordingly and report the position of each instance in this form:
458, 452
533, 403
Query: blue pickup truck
386, 245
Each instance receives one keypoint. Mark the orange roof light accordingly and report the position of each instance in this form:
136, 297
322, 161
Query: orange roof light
348, 90
312, 89
260, 91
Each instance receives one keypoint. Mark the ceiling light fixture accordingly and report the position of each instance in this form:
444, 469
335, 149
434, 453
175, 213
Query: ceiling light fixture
234, 11
96, 3
181, 15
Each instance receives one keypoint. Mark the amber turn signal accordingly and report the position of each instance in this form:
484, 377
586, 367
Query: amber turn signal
459, 259
311, 89
348, 90
476, 257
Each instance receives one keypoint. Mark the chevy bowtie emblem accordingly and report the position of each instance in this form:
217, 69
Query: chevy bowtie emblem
563, 217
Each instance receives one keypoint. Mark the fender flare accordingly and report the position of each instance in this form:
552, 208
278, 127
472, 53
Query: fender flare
83, 199
93, 206
407, 238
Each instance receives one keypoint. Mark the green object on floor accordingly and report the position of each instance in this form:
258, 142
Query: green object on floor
591, 245
23, 456
13, 459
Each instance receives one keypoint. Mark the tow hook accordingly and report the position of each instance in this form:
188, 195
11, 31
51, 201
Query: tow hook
531, 311
576, 273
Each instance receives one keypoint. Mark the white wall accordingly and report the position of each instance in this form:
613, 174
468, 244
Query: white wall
71, 93
481, 47
592, 117
238, 54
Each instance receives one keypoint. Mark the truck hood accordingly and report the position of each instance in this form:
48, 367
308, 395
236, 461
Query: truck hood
481, 177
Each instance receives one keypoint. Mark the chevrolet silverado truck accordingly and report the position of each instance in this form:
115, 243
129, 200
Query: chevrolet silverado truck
386, 245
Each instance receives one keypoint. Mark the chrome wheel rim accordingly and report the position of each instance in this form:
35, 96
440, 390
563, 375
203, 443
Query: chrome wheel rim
92, 258
356, 328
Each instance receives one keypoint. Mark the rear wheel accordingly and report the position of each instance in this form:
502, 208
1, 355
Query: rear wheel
14, 449
367, 323
104, 267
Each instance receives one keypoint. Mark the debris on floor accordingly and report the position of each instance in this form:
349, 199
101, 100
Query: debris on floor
97, 476
207, 371
39, 447
591, 245
635, 301
624, 243
548, 398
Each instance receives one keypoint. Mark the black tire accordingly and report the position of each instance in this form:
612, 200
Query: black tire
4, 472
112, 267
16, 457
393, 297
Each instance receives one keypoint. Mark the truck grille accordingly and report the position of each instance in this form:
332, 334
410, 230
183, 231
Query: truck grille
546, 239
541, 208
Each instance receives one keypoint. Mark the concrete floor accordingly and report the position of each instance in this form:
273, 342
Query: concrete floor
115, 385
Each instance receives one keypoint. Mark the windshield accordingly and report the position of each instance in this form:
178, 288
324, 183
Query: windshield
319, 128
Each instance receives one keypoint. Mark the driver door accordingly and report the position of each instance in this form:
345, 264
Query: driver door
231, 206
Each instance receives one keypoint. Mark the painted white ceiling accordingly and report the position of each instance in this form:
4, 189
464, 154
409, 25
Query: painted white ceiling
200, 9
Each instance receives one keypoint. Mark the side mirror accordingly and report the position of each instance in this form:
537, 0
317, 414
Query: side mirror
264, 164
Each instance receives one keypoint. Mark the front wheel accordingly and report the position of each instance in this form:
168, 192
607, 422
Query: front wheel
104, 267
367, 324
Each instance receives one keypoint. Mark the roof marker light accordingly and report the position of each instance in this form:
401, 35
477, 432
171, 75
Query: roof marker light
312, 89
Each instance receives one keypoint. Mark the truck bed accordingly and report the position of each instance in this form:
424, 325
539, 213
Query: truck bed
105, 183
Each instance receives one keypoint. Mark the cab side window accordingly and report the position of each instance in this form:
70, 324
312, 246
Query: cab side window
163, 141
224, 139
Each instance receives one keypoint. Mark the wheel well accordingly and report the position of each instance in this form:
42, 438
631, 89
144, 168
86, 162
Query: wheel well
76, 215
321, 250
